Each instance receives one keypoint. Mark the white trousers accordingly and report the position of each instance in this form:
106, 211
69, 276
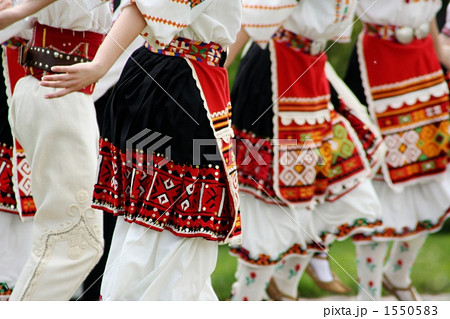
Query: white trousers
60, 139
144, 264
15, 246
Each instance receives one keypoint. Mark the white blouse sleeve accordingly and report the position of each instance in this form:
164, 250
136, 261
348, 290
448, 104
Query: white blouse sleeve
262, 18
91, 4
16, 29
166, 18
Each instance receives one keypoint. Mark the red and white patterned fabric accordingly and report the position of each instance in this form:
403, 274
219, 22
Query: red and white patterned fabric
15, 197
188, 200
407, 96
316, 153
409, 103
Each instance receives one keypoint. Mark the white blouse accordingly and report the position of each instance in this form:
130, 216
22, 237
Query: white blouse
200, 20
78, 15
314, 19
412, 13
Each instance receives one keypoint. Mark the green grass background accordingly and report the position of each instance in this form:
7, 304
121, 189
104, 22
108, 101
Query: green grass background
430, 274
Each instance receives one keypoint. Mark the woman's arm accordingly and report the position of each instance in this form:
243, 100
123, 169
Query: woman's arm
234, 49
441, 45
15, 13
126, 28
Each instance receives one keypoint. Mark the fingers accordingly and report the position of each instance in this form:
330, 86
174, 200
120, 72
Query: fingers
60, 81
67, 81
59, 93
56, 77
5, 4
57, 84
68, 78
64, 69
66, 86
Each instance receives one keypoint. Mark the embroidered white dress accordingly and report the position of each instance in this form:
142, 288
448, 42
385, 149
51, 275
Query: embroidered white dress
264, 217
149, 260
414, 187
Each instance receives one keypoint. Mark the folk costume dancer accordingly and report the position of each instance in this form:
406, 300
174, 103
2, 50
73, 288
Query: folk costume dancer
174, 205
60, 138
102, 93
293, 202
16, 212
402, 81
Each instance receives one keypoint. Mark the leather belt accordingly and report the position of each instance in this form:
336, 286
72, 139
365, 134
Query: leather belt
45, 58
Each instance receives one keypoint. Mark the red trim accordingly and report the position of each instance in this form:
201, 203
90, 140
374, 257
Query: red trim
180, 198
81, 43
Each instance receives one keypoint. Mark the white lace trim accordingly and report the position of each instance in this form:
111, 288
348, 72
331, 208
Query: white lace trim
301, 118
411, 98
398, 84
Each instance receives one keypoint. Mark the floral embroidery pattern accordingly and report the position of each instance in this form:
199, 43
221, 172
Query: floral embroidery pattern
294, 272
371, 287
194, 3
210, 53
398, 265
251, 278
404, 247
370, 264
4, 289
341, 10
280, 265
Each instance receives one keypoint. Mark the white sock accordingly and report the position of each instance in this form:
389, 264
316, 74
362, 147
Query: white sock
401, 260
321, 266
251, 282
288, 273
369, 263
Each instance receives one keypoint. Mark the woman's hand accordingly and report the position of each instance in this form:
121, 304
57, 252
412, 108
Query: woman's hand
75, 77
5, 4
72, 78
